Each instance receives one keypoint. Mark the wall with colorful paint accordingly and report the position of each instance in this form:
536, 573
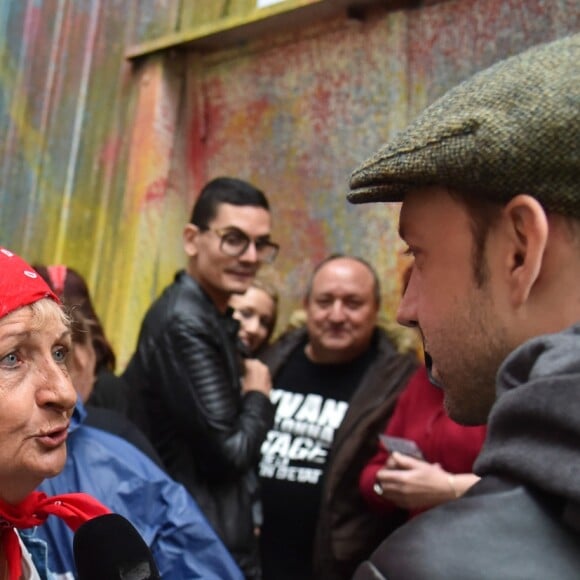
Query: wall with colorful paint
113, 115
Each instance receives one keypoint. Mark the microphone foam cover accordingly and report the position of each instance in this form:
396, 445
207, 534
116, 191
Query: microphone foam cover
110, 548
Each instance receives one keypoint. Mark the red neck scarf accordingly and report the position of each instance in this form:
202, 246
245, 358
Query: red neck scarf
74, 508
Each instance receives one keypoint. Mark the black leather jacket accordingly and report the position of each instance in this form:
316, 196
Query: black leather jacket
185, 393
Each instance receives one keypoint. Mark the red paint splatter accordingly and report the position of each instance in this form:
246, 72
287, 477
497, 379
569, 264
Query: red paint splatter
156, 190
110, 153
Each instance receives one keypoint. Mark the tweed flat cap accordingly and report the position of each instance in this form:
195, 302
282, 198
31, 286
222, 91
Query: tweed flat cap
512, 128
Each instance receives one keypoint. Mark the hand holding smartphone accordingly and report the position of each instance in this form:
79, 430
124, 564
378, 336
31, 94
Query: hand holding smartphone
401, 445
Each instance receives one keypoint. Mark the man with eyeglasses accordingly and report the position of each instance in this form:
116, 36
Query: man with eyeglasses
205, 410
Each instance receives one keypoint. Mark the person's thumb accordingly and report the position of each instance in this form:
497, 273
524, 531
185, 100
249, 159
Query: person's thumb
404, 461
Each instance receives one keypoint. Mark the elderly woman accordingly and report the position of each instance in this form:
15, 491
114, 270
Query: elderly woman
37, 399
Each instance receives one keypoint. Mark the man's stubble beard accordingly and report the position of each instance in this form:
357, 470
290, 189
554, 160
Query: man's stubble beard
476, 347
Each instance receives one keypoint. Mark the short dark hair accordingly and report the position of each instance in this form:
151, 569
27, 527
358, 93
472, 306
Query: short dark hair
483, 215
338, 256
225, 190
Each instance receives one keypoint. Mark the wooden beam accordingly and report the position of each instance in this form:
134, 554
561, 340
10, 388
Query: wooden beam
237, 30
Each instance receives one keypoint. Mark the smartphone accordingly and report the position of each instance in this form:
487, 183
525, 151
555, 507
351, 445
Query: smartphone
401, 445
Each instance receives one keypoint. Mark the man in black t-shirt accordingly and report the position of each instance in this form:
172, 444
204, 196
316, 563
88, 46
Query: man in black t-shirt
334, 386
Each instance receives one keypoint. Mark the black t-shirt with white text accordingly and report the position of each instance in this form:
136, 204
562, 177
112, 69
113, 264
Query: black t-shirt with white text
311, 400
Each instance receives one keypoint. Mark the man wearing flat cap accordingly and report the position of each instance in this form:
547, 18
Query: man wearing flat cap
489, 177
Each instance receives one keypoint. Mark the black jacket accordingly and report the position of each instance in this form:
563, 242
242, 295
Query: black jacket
185, 391
347, 530
522, 520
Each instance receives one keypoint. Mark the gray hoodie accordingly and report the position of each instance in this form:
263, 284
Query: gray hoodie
534, 427
522, 520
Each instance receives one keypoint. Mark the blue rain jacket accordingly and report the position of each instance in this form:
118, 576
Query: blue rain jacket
130, 484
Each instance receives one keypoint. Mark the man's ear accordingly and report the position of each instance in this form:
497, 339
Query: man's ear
190, 240
527, 225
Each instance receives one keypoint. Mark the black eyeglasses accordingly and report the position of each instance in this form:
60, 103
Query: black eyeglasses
234, 243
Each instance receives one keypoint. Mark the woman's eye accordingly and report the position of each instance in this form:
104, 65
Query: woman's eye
245, 313
60, 354
10, 360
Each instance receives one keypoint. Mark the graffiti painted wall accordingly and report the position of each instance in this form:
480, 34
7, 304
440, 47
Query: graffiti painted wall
297, 113
102, 156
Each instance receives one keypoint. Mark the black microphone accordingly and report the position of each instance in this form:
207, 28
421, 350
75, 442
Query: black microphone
110, 548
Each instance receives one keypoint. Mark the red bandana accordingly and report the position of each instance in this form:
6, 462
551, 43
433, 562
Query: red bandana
20, 285
74, 508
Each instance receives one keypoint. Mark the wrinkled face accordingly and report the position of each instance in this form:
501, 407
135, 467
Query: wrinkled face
218, 274
81, 365
341, 311
255, 310
464, 339
36, 397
